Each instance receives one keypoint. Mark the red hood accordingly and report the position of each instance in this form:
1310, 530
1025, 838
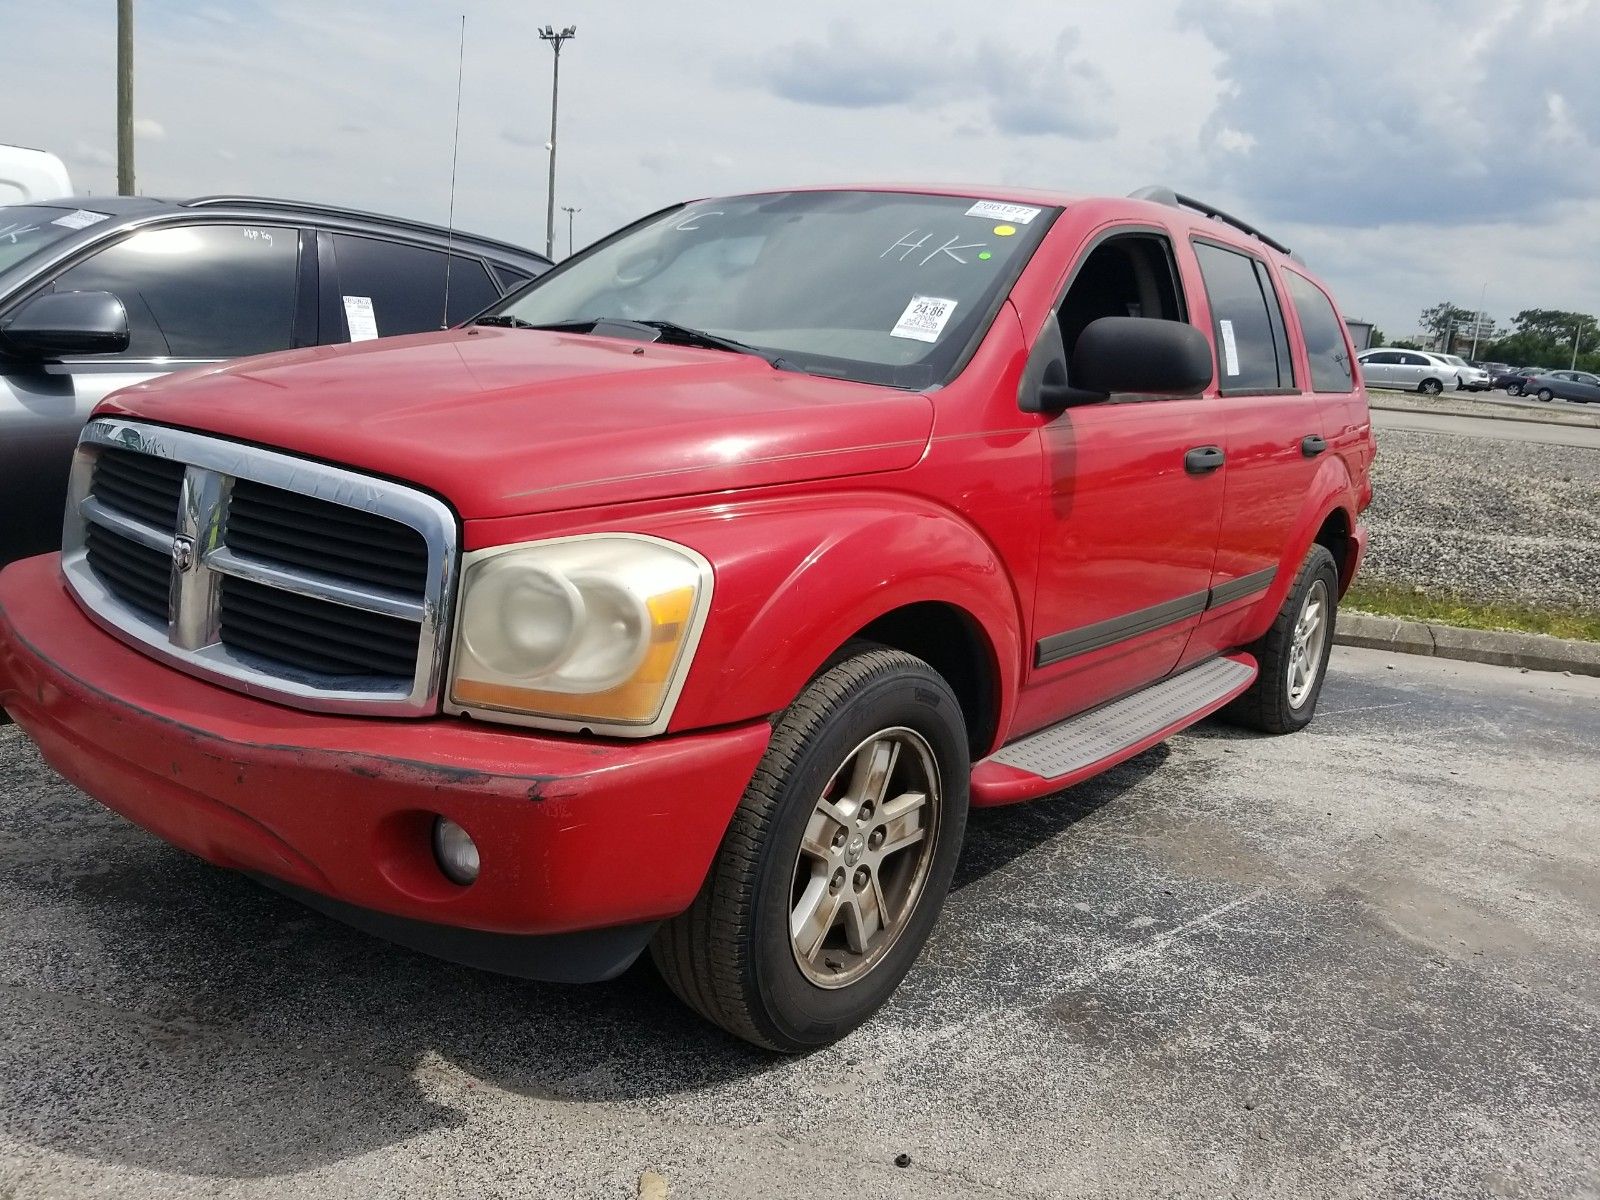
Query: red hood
504, 422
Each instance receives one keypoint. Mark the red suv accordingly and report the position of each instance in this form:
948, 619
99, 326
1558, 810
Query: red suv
689, 599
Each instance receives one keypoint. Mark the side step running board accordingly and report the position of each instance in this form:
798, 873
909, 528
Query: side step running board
1088, 743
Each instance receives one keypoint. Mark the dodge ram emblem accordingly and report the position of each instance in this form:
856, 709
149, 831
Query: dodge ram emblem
182, 554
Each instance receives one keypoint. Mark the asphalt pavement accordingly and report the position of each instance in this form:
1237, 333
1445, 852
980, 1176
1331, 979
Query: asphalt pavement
1474, 426
1358, 961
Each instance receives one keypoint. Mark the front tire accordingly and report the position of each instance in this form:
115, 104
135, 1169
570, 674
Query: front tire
837, 860
1513, 389
1546, 395
1293, 656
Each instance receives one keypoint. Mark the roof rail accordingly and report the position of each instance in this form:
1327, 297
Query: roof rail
333, 210
1165, 195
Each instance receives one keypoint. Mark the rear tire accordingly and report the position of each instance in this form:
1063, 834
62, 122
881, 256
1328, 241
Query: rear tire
1430, 387
1293, 655
832, 872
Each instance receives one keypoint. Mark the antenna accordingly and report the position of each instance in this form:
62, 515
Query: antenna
455, 150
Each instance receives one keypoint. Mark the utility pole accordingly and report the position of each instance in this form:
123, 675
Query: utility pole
569, 210
125, 97
1577, 336
1477, 321
548, 34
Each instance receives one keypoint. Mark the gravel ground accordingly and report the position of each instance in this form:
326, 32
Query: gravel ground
1486, 519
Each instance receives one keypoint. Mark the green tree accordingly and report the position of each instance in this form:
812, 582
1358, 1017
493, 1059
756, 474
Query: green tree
1441, 320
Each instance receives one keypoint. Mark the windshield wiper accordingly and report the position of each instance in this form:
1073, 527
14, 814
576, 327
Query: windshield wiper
507, 321
685, 335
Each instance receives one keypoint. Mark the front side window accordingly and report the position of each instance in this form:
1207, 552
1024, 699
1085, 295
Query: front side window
1324, 334
1252, 349
879, 287
389, 288
198, 291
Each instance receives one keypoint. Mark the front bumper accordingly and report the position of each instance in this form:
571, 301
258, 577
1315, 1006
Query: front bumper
574, 834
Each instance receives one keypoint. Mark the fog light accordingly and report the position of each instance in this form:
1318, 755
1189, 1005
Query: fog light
456, 851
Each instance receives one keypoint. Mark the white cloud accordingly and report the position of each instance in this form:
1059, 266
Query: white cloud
147, 127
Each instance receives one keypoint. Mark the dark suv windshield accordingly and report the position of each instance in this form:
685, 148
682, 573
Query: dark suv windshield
27, 228
878, 287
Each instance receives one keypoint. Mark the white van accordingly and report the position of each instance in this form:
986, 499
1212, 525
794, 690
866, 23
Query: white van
27, 175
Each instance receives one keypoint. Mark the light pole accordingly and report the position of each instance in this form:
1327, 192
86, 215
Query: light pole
549, 34
1477, 321
569, 210
1577, 336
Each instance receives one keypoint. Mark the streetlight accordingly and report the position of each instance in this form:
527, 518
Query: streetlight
569, 210
549, 34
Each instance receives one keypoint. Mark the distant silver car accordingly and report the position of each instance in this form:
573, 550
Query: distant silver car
1408, 370
1579, 386
1468, 377
100, 292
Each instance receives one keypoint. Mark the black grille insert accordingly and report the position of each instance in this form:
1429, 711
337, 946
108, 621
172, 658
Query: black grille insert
132, 572
316, 636
316, 535
139, 485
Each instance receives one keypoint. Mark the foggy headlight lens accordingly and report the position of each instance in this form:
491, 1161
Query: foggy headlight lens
590, 628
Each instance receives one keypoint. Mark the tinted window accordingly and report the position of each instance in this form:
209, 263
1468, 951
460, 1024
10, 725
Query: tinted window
27, 229
199, 291
1251, 350
1385, 358
406, 284
1413, 360
1324, 333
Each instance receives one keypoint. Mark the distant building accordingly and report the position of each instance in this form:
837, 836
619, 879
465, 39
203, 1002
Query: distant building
1360, 334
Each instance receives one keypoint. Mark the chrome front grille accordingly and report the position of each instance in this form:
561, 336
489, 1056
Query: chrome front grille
286, 578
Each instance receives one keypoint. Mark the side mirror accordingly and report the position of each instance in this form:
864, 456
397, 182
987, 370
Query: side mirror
61, 323
1132, 354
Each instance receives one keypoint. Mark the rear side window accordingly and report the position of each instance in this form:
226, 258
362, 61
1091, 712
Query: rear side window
198, 291
1324, 332
405, 286
1252, 349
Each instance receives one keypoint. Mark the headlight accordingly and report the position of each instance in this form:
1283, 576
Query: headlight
593, 632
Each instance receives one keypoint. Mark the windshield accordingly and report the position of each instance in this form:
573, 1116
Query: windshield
26, 229
877, 287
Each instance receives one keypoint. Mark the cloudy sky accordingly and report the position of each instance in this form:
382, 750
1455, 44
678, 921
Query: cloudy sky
1412, 150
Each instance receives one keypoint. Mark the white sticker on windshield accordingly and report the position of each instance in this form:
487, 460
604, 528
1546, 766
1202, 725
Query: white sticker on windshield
358, 315
994, 210
80, 219
924, 318
1230, 349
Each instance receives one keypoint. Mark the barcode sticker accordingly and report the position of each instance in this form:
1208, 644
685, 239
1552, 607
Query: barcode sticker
80, 218
358, 315
924, 318
1230, 349
994, 210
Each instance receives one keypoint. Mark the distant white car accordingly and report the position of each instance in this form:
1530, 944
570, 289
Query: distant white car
1468, 377
27, 175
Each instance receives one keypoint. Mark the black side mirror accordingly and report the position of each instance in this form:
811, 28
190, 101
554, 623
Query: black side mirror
1131, 354
61, 323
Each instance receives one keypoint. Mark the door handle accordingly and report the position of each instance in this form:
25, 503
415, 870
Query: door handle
1203, 460
1312, 445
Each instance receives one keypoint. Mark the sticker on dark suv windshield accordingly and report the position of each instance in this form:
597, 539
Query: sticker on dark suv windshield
924, 318
80, 218
994, 210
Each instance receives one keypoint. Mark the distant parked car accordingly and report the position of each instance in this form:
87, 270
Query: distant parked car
1468, 377
100, 292
1513, 379
1565, 385
1493, 368
1408, 370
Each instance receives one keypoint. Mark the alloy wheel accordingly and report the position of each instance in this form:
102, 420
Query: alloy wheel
1305, 649
864, 857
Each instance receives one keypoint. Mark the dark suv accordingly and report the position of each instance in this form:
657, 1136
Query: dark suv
100, 292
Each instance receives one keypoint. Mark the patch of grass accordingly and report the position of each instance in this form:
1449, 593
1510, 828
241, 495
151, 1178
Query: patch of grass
1396, 600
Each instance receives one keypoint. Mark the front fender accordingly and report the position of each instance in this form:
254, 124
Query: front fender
796, 578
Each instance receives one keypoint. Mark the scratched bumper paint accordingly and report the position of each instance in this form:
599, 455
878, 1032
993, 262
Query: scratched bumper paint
573, 833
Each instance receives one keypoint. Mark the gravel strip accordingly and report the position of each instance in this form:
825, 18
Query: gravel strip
1488, 520
1484, 404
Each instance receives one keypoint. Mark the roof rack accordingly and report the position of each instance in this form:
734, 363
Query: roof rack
1165, 195
333, 210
